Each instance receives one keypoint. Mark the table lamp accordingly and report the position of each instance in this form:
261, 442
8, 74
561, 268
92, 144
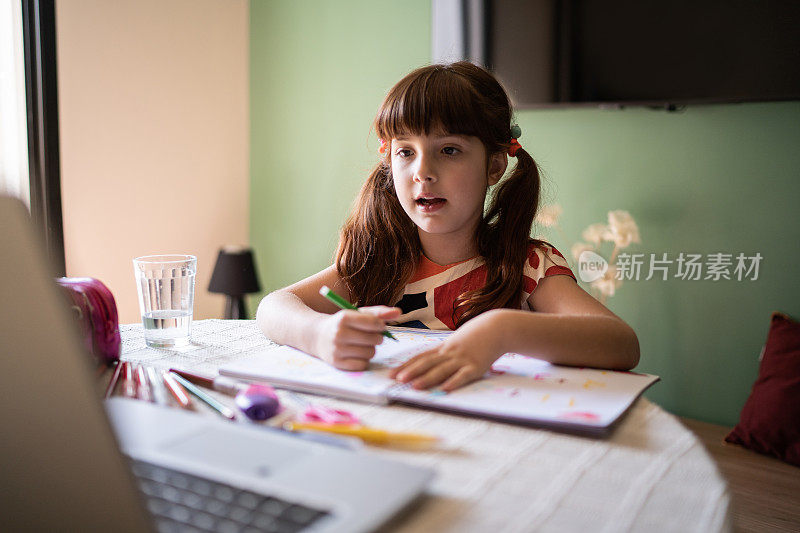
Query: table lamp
234, 276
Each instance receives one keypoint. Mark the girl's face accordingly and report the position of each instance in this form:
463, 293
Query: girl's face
441, 181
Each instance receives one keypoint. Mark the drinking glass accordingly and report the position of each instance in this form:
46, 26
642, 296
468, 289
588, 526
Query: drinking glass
166, 298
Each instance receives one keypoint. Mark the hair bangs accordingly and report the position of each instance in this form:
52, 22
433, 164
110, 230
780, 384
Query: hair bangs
432, 100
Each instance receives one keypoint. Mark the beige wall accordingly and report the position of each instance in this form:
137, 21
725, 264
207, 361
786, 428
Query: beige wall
153, 109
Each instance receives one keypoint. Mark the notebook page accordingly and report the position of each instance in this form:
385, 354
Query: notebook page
410, 342
523, 389
287, 367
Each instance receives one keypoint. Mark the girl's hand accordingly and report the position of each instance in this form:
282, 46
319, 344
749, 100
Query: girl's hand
347, 339
464, 357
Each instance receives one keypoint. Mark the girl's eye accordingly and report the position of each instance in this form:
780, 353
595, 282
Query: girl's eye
450, 150
403, 152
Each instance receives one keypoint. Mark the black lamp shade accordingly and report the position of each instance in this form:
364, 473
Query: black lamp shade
235, 272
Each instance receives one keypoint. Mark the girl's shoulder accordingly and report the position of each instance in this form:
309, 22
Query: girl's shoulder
543, 259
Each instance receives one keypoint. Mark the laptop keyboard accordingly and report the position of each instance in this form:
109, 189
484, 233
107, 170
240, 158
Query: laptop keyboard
182, 502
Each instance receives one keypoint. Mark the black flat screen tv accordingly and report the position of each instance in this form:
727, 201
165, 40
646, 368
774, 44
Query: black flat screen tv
644, 52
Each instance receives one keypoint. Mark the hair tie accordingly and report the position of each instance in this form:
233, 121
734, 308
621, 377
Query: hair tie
382, 149
516, 133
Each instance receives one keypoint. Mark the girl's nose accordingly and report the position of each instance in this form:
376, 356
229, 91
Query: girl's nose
424, 170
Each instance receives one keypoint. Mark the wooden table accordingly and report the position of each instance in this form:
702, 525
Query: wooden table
765, 491
650, 474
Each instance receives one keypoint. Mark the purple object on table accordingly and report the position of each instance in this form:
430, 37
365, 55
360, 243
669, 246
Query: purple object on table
258, 402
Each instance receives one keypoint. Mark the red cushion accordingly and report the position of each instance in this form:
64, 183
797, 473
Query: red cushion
770, 419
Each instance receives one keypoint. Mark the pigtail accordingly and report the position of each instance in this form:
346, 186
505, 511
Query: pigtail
503, 239
378, 245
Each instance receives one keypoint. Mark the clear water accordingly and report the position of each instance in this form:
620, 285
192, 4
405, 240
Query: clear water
167, 328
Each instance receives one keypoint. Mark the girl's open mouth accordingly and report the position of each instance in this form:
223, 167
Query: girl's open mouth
429, 205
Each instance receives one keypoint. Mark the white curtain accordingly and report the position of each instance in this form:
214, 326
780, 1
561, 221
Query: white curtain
13, 122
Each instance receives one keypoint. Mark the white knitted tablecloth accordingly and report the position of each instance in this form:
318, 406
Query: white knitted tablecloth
651, 474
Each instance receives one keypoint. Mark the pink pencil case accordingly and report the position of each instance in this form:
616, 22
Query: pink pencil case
95, 312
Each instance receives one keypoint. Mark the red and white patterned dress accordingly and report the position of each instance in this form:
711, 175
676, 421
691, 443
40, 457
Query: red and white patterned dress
428, 298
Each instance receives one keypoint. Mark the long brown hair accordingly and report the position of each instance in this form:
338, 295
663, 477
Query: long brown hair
379, 246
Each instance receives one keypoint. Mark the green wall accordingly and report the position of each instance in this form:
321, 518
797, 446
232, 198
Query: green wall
719, 178
319, 70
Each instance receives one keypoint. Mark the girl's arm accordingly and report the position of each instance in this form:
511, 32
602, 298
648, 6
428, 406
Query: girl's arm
570, 328
300, 317
291, 315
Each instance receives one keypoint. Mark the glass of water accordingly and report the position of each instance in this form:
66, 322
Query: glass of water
166, 298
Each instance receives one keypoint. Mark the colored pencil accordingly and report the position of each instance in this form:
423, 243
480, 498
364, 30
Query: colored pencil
128, 384
367, 434
114, 378
143, 385
344, 304
178, 392
208, 400
156, 386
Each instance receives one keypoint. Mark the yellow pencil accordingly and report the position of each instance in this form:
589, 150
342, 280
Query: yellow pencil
367, 434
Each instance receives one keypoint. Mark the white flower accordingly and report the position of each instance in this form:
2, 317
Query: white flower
622, 229
548, 215
579, 247
595, 233
607, 285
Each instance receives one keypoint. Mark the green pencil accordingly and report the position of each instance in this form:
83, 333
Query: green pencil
344, 304
208, 400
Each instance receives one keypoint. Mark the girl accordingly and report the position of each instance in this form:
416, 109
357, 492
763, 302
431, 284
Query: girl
421, 238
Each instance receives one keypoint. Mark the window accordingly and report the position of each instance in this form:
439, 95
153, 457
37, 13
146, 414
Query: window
29, 155
13, 123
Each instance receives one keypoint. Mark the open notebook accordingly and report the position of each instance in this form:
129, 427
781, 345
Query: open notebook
517, 389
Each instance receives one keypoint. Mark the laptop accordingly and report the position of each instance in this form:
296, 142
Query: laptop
72, 462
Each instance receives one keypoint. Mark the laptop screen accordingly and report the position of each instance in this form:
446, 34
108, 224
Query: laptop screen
61, 466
